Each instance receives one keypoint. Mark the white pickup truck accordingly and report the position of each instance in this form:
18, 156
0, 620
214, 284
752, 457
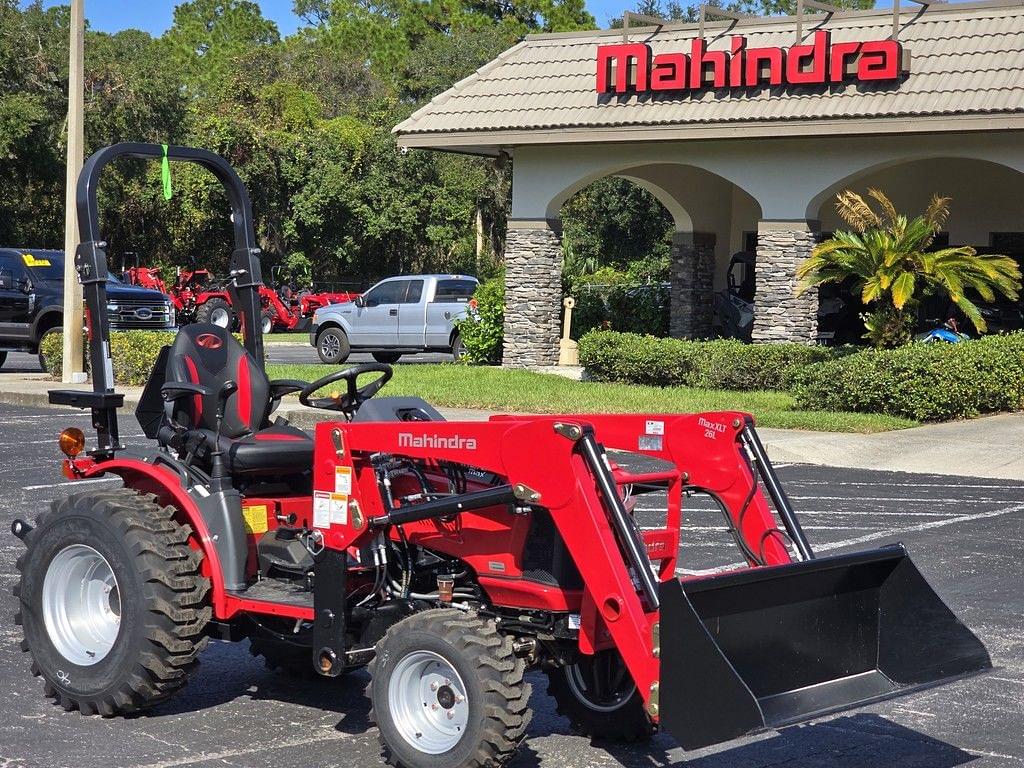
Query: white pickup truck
397, 316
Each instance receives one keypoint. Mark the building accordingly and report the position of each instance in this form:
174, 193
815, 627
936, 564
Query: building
745, 129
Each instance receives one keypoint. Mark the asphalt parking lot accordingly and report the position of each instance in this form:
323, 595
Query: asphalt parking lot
966, 536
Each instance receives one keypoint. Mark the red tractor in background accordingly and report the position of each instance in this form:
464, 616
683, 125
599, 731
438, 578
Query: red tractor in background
200, 297
448, 557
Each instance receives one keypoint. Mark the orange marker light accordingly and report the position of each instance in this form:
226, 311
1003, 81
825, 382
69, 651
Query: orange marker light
72, 441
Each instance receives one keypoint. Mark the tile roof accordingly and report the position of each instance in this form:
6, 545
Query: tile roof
964, 60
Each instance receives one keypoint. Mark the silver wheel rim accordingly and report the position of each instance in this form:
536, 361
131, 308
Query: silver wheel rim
330, 345
268, 324
582, 690
220, 316
428, 702
81, 605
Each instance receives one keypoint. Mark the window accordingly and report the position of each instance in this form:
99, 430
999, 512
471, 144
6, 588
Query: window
414, 293
454, 290
392, 292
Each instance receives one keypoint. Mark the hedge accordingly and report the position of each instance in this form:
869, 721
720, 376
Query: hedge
721, 364
133, 353
926, 382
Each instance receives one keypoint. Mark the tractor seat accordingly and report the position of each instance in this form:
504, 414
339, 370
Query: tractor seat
209, 355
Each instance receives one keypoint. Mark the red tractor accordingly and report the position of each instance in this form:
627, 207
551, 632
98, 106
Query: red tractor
449, 557
199, 297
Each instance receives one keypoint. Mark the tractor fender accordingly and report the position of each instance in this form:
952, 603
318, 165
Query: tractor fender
166, 485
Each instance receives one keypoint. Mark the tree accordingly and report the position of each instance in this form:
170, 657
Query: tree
890, 260
208, 35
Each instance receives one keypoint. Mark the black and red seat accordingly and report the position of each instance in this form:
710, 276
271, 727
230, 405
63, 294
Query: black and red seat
209, 356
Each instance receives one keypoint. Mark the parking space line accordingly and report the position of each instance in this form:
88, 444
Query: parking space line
921, 527
69, 482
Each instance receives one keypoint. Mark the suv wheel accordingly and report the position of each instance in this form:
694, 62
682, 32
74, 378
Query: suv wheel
332, 346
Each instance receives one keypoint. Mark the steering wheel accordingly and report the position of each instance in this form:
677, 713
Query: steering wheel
349, 401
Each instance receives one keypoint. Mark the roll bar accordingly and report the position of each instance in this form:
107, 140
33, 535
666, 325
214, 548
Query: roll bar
91, 264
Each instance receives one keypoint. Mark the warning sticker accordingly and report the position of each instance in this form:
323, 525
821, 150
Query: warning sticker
32, 261
339, 509
654, 427
255, 518
343, 480
321, 509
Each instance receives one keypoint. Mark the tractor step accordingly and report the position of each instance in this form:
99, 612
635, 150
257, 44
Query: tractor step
277, 591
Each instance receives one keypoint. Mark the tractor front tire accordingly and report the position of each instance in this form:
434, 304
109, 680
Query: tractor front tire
387, 357
599, 699
447, 691
218, 312
111, 604
267, 321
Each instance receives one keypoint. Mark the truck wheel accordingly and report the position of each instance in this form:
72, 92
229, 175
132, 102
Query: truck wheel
111, 604
267, 323
387, 357
332, 346
446, 691
218, 312
3, 359
599, 698
458, 348
47, 333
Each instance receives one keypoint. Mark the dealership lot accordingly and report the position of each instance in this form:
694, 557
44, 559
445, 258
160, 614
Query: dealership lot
966, 535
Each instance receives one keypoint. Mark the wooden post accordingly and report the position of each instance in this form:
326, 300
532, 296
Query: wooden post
73, 366
568, 352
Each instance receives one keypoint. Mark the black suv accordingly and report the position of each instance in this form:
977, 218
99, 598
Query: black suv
32, 299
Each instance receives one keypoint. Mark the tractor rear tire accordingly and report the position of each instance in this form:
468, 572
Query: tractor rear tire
616, 714
448, 691
218, 312
111, 604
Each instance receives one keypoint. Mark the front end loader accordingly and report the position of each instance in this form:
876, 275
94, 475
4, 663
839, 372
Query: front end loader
447, 557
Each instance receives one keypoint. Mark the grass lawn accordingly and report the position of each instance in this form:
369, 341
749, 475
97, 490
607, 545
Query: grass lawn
287, 337
499, 389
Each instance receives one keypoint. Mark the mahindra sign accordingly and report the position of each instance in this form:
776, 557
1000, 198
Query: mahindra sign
631, 67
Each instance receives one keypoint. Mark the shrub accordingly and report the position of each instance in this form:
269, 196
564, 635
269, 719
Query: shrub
483, 331
133, 354
927, 382
721, 364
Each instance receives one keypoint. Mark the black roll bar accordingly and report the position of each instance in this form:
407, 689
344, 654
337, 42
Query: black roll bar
91, 264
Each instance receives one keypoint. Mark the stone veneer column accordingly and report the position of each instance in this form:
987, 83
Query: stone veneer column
692, 303
779, 314
533, 294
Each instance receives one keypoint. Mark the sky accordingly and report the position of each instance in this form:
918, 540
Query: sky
154, 16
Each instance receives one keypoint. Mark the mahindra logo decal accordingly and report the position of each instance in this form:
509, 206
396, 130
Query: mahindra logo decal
209, 341
632, 67
409, 440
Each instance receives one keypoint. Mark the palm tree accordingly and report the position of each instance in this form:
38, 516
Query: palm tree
887, 255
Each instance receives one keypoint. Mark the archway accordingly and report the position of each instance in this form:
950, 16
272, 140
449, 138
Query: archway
986, 212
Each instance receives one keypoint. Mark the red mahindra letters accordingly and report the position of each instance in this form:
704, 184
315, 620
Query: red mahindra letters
631, 67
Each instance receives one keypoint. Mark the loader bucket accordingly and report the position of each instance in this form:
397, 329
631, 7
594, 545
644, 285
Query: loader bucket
767, 647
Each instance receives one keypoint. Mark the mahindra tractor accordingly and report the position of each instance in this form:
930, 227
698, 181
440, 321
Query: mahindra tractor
450, 558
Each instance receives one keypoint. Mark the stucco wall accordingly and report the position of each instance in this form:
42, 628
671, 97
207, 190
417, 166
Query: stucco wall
986, 197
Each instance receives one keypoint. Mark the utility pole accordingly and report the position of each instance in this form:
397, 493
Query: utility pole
73, 366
